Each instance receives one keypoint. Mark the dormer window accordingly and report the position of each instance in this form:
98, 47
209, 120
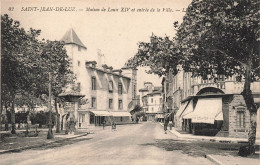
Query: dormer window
90, 64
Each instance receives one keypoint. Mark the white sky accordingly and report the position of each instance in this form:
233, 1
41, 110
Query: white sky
115, 33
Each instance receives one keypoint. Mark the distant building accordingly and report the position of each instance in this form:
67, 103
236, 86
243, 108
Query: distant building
108, 91
148, 88
151, 101
209, 107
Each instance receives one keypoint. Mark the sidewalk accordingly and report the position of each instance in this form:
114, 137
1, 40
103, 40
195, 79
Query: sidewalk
18, 142
234, 160
218, 158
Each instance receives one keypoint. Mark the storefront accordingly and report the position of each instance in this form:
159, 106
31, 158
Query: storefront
121, 116
159, 117
206, 118
97, 117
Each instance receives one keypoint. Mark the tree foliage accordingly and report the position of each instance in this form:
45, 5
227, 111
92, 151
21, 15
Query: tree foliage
160, 54
136, 109
26, 64
220, 37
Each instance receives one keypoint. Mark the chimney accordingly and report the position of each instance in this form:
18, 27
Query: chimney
101, 58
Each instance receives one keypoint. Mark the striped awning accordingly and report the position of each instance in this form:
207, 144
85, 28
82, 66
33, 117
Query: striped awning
101, 113
207, 111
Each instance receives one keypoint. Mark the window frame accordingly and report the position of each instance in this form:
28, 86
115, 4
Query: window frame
120, 88
93, 104
93, 83
110, 85
83, 117
110, 104
120, 106
240, 118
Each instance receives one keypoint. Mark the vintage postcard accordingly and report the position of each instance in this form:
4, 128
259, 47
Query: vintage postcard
129, 82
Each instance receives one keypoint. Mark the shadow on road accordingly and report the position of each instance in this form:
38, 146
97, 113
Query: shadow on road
61, 143
199, 148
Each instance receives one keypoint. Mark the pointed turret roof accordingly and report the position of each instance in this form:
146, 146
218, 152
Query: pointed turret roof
71, 37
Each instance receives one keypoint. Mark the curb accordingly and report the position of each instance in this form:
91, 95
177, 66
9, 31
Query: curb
40, 145
214, 160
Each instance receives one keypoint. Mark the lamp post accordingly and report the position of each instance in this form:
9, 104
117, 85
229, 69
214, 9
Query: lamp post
50, 133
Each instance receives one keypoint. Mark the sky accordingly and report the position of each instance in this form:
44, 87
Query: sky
115, 31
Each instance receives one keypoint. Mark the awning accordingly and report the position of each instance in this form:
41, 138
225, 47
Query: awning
206, 110
187, 114
219, 116
120, 113
159, 116
181, 109
101, 113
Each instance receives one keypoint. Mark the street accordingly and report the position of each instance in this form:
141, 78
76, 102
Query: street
142, 143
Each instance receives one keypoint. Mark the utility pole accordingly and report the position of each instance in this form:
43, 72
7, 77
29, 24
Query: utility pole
50, 133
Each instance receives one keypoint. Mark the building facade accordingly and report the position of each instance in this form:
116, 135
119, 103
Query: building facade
107, 91
152, 101
209, 107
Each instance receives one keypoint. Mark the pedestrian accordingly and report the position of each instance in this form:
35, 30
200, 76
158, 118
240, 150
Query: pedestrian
104, 123
166, 121
113, 125
137, 119
170, 124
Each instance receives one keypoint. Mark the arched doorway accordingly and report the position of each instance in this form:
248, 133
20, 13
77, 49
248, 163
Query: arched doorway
209, 91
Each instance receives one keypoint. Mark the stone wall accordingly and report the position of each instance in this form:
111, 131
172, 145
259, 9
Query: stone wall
238, 104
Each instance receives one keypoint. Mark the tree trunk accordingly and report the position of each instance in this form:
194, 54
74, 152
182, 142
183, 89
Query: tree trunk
57, 117
6, 119
13, 115
1, 115
28, 122
50, 133
249, 100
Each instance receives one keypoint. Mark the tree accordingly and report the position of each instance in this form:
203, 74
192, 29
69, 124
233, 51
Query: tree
27, 63
57, 63
136, 109
160, 54
17, 46
222, 37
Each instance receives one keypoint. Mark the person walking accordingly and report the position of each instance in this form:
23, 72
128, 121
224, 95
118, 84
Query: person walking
170, 124
104, 123
166, 122
113, 125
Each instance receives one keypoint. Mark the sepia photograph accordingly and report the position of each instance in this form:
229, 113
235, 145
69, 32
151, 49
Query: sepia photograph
130, 82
